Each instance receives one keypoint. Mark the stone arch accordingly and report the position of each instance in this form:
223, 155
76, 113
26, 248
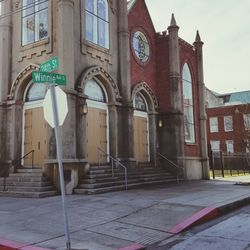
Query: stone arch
148, 93
107, 81
21, 81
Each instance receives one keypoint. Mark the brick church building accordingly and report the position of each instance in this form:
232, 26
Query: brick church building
133, 94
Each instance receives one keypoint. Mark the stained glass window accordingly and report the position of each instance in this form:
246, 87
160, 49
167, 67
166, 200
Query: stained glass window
141, 46
139, 102
188, 105
97, 22
34, 21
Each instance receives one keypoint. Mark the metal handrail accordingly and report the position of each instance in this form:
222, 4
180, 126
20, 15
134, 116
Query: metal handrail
32, 161
173, 164
113, 160
14, 162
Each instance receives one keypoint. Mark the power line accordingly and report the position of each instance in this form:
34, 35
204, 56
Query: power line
20, 9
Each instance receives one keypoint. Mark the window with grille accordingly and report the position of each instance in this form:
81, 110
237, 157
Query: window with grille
34, 21
246, 118
97, 22
213, 122
230, 146
228, 123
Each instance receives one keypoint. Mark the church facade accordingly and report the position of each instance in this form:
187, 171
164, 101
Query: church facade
131, 92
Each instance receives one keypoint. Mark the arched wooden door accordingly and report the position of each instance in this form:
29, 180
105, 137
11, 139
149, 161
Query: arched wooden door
141, 130
97, 132
34, 127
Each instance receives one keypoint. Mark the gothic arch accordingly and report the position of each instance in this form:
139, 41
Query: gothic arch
148, 94
21, 81
104, 77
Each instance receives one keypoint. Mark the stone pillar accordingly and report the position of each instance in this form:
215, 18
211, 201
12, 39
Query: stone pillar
65, 40
5, 49
171, 137
125, 143
202, 110
5, 78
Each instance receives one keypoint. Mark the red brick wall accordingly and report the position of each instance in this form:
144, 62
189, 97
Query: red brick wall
237, 135
139, 19
156, 71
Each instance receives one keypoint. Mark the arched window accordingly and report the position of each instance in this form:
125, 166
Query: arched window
34, 21
97, 22
140, 102
188, 104
36, 92
94, 91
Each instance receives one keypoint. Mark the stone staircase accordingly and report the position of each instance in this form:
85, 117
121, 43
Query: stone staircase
99, 179
27, 183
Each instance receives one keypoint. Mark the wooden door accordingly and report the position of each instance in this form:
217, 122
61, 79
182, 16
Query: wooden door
96, 122
141, 139
34, 136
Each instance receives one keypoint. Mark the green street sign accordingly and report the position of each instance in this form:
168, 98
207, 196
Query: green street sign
49, 65
44, 77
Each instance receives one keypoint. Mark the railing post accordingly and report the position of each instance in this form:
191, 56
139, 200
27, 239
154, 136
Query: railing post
112, 166
222, 164
32, 159
126, 179
212, 163
98, 150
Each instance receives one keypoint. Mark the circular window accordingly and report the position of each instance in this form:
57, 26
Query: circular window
141, 46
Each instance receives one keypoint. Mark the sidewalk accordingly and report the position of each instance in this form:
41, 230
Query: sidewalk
129, 219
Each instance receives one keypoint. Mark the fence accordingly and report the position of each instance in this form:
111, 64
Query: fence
223, 164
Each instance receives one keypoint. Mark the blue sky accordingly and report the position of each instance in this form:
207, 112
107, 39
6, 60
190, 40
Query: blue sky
224, 29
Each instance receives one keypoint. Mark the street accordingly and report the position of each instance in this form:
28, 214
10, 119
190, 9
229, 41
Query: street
229, 232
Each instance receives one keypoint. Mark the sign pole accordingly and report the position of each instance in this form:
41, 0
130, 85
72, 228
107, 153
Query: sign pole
59, 158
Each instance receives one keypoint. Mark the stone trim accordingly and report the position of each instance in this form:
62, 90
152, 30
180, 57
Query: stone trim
144, 86
96, 71
20, 78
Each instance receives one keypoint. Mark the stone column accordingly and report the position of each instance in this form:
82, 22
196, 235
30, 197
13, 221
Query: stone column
5, 49
5, 76
125, 143
171, 137
65, 40
202, 110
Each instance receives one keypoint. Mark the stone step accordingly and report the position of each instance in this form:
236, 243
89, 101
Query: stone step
97, 180
29, 170
130, 175
28, 194
25, 179
26, 184
39, 174
121, 181
120, 187
100, 167
29, 189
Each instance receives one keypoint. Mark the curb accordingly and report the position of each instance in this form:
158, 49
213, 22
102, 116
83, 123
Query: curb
207, 214
13, 245
133, 247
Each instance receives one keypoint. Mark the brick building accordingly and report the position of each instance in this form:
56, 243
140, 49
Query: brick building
228, 121
130, 90
168, 73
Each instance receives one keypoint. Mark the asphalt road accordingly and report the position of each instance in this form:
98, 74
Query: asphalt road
230, 232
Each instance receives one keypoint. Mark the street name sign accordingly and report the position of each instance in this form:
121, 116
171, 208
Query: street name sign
44, 77
49, 65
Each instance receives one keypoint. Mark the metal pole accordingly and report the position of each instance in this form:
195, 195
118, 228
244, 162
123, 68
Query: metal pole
59, 158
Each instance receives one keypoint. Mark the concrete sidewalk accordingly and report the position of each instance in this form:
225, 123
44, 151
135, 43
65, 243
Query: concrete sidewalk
130, 219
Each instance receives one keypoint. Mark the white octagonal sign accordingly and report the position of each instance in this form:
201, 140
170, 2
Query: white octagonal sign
62, 107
